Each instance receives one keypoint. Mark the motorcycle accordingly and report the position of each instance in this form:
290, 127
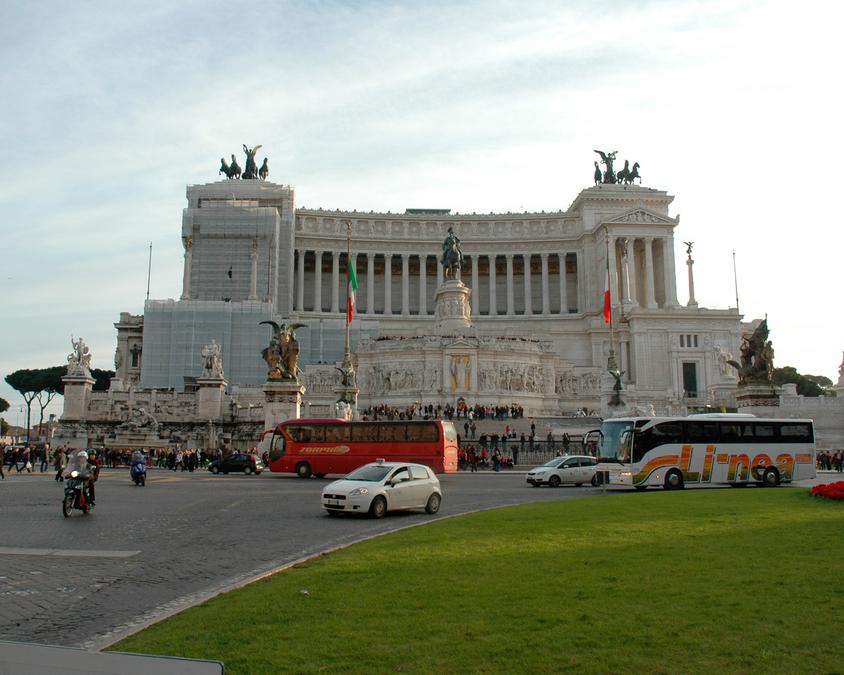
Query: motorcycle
75, 495
138, 468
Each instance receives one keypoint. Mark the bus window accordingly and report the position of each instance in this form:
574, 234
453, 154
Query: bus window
422, 432
393, 433
763, 430
746, 430
796, 432
659, 434
306, 433
701, 432
276, 446
364, 433
730, 432
337, 433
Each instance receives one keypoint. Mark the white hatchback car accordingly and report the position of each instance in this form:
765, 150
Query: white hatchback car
383, 486
577, 469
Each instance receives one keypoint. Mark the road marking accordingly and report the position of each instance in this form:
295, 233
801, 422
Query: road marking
66, 552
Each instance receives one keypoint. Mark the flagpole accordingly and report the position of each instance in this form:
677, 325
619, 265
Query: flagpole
735, 278
347, 345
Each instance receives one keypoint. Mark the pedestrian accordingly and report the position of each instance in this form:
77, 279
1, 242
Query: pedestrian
522, 442
515, 454
45, 453
59, 463
473, 459
2, 460
496, 460
566, 444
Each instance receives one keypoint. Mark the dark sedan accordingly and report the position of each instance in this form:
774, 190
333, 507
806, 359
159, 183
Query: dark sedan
237, 462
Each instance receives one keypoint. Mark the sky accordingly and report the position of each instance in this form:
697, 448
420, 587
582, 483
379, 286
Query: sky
111, 109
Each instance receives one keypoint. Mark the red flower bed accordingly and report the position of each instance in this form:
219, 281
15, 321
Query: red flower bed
830, 490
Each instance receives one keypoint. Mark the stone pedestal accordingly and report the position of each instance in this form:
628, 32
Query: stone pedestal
452, 313
751, 396
209, 401
77, 387
283, 401
349, 396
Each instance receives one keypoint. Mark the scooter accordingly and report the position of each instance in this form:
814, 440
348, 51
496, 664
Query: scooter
138, 468
138, 473
75, 495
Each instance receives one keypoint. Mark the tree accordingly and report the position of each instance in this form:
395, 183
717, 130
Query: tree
4, 405
43, 384
807, 385
37, 384
4, 427
102, 379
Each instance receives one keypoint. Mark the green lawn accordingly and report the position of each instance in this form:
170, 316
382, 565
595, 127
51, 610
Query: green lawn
698, 581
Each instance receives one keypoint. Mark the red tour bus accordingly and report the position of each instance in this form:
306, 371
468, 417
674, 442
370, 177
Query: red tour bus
321, 446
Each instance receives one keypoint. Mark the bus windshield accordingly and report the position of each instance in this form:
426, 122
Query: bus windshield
610, 436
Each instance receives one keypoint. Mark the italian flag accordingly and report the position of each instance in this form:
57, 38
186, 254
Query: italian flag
350, 295
607, 304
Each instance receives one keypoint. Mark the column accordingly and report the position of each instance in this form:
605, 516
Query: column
631, 275
579, 283
476, 304
493, 303
546, 296
614, 295
625, 289
317, 281
186, 272
370, 283
405, 284
528, 294
335, 282
692, 302
439, 274
510, 300
564, 295
388, 283
300, 290
253, 267
423, 290
670, 272
650, 300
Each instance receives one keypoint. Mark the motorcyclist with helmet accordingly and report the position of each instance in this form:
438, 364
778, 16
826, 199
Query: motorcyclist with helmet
90, 471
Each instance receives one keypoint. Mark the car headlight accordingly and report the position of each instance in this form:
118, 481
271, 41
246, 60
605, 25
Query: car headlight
359, 491
540, 473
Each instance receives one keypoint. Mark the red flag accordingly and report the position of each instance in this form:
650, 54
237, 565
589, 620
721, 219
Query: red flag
607, 308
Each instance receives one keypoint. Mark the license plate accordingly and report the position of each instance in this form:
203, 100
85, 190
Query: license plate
333, 502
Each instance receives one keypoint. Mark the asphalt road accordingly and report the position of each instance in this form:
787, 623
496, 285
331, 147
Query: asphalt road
147, 552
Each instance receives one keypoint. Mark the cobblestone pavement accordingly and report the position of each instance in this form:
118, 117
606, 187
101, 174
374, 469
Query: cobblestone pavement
147, 552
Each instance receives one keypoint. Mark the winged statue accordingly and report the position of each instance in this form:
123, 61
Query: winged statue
282, 354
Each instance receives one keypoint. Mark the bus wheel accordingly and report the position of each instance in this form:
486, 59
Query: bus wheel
674, 480
594, 480
303, 470
771, 477
378, 507
554, 481
433, 504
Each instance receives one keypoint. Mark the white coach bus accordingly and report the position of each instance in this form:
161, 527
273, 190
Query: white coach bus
711, 449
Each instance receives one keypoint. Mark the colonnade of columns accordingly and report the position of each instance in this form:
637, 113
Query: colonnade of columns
641, 280
539, 294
